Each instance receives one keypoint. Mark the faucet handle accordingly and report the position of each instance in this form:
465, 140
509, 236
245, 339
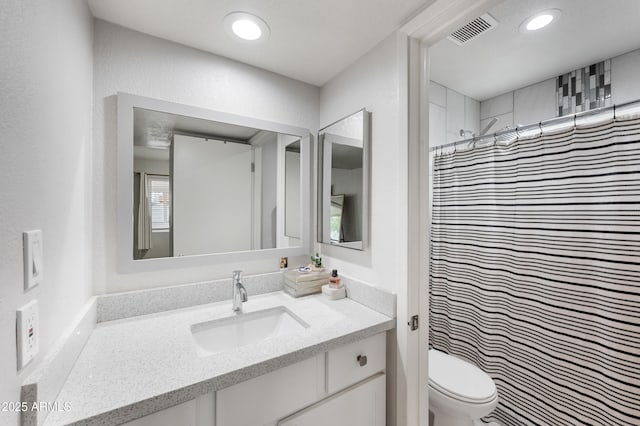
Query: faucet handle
237, 274
243, 293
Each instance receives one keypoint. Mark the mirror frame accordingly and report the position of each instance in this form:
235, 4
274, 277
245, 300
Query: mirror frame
366, 180
124, 217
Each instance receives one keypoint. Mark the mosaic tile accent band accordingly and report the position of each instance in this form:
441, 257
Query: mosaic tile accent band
584, 89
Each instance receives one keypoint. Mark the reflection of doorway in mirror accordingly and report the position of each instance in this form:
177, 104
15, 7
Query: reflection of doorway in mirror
212, 196
292, 190
347, 179
335, 221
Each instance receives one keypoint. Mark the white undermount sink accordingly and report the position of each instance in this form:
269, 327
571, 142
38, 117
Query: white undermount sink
243, 329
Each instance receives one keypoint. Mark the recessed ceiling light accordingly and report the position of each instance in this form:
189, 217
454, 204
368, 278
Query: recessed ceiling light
246, 27
539, 20
536, 23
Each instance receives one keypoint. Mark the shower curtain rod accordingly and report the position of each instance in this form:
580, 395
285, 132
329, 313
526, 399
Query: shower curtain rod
595, 111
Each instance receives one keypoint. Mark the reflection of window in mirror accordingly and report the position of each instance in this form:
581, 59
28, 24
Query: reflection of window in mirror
152, 208
160, 202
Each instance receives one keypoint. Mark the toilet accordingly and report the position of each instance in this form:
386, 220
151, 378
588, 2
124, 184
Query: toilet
459, 392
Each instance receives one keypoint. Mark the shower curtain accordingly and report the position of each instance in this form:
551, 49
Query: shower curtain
535, 272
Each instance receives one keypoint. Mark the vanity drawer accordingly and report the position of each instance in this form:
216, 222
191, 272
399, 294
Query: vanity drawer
265, 399
347, 365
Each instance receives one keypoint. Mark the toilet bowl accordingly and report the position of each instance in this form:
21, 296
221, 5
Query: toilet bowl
459, 392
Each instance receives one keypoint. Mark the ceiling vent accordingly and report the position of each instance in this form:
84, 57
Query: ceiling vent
473, 29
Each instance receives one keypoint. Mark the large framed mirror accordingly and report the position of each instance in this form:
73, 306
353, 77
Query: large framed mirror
198, 187
343, 181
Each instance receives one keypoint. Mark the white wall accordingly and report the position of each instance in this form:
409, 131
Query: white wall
132, 62
372, 83
154, 167
45, 131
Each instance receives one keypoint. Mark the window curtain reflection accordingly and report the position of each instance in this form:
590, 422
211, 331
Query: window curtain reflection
144, 214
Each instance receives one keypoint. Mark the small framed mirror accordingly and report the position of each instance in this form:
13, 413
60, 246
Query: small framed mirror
343, 181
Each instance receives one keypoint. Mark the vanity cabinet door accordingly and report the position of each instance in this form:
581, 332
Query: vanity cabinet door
361, 405
197, 412
268, 398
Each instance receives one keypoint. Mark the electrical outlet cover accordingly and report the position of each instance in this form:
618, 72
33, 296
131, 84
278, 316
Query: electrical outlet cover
32, 246
28, 330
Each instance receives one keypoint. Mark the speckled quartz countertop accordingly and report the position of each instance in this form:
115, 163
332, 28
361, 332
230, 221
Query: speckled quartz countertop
137, 366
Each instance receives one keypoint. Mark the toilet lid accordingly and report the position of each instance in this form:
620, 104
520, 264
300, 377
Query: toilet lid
459, 379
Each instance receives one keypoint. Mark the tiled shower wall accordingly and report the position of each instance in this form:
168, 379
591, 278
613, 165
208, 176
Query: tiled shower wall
540, 101
449, 112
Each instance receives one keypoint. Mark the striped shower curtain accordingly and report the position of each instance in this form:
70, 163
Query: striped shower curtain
535, 272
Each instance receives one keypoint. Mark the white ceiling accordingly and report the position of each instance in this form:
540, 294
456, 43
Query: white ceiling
503, 59
155, 126
311, 40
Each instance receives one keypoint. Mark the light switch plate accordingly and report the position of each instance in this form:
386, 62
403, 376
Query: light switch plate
33, 261
28, 329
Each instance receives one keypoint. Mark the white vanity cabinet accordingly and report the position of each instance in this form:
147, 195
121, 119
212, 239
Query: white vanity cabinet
266, 399
197, 412
345, 386
361, 405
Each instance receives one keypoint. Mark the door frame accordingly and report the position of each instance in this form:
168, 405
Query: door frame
438, 19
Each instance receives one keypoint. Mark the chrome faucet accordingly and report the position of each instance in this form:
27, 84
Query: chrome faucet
239, 292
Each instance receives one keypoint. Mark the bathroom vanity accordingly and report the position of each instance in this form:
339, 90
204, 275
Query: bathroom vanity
161, 357
327, 366
330, 388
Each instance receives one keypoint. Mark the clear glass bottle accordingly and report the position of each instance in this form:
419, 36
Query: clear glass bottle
334, 280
